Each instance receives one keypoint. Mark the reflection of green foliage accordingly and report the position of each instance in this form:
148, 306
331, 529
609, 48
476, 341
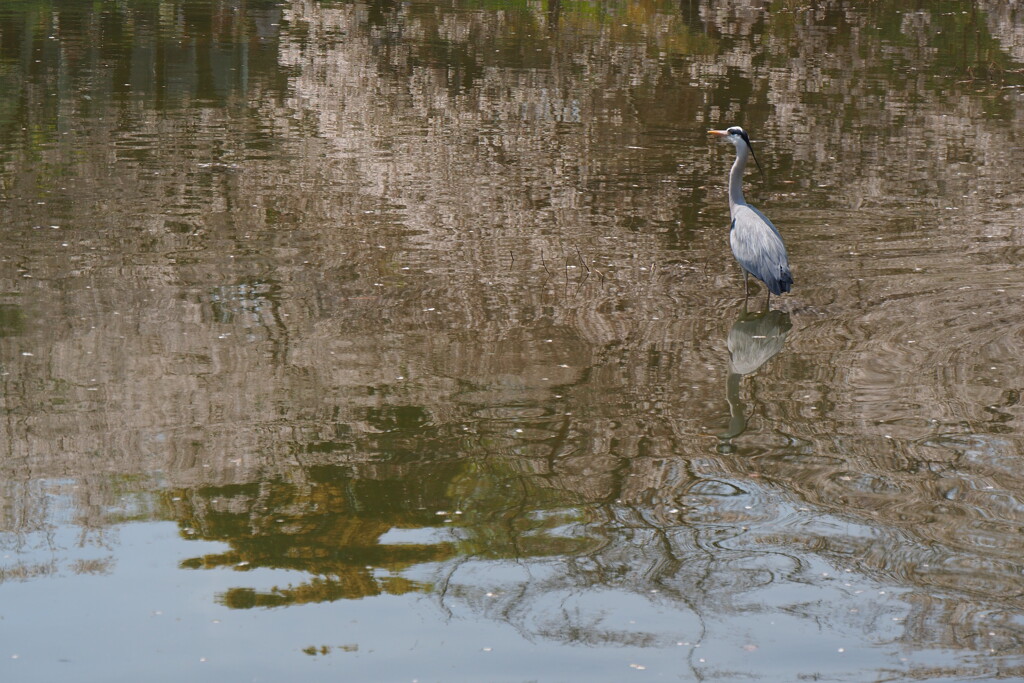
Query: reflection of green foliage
11, 6
54, 46
91, 54
331, 526
958, 37
313, 650
396, 418
12, 320
498, 524
350, 587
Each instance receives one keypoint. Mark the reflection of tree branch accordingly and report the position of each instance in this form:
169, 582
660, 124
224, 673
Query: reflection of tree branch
446, 583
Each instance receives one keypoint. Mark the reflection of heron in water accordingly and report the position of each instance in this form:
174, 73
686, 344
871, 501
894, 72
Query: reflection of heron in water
755, 338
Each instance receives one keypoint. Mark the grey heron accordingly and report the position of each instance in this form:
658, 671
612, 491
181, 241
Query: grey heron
755, 242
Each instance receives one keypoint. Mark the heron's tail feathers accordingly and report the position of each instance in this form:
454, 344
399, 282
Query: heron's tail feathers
783, 283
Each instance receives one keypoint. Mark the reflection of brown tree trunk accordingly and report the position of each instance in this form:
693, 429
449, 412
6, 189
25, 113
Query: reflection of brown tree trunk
554, 12
690, 12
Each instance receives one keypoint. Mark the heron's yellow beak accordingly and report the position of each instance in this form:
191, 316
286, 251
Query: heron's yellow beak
722, 133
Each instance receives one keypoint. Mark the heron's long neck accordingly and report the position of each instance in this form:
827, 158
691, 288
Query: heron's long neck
736, 177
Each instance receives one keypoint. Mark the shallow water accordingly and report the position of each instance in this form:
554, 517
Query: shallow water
397, 342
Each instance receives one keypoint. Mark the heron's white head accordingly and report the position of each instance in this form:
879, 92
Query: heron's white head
738, 137
733, 134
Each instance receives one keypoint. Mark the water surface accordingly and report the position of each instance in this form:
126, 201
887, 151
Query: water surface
386, 341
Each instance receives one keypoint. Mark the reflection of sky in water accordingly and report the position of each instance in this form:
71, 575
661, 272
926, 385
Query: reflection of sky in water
487, 606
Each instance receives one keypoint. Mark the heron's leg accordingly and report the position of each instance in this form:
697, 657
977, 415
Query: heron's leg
768, 301
746, 285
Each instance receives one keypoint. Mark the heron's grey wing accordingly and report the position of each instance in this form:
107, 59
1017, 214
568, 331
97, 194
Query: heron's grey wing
758, 247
